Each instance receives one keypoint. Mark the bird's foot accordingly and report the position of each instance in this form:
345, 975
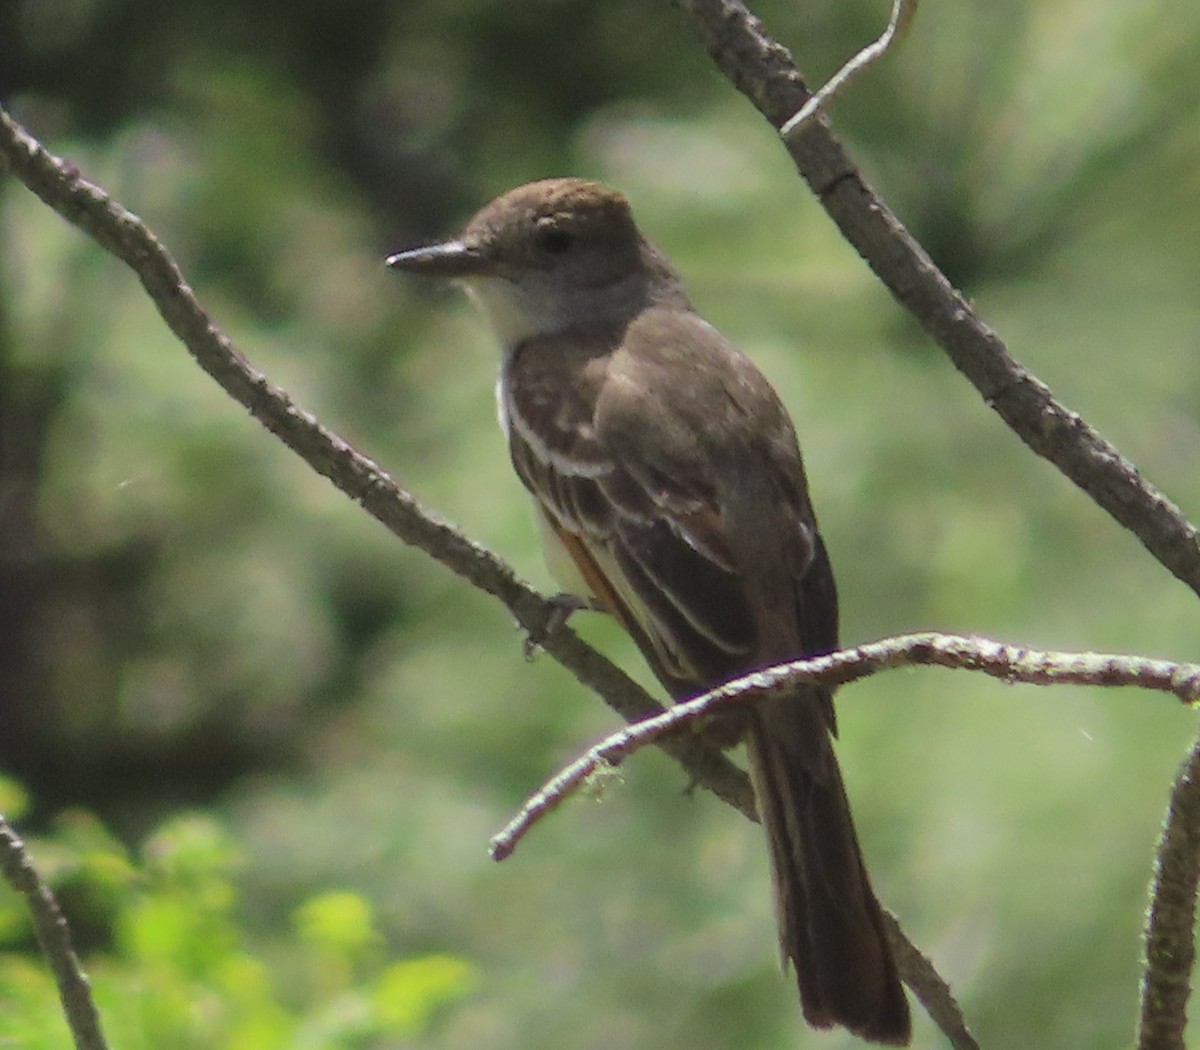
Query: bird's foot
563, 607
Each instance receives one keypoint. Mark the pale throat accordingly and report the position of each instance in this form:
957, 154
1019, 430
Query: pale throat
540, 306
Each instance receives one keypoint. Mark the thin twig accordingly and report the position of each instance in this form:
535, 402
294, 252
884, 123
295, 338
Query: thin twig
54, 936
1170, 925
903, 12
763, 71
1011, 663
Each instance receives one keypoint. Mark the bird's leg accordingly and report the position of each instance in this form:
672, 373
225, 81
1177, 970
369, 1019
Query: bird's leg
562, 607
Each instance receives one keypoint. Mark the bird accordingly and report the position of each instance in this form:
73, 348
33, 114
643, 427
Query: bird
670, 492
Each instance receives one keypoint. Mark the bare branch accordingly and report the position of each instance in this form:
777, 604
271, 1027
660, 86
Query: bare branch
903, 12
1169, 944
54, 936
1170, 926
929, 987
1011, 663
762, 70
89, 208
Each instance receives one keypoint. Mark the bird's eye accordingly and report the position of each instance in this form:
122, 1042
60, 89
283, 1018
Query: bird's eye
554, 240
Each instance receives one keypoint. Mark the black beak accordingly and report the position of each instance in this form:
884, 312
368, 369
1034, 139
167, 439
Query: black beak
448, 259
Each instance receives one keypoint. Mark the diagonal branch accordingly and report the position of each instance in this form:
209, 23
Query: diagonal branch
85, 205
929, 987
763, 71
54, 937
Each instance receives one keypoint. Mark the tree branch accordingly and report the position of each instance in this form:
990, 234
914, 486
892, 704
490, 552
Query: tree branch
1008, 662
1170, 925
763, 71
123, 234
1169, 945
1011, 663
54, 936
929, 987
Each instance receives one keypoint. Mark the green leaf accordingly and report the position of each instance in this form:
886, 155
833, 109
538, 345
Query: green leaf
339, 921
409, 993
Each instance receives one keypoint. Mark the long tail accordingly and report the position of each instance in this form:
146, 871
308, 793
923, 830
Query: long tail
830, 924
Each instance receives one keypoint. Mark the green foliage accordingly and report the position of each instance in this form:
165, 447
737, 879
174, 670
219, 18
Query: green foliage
178, 969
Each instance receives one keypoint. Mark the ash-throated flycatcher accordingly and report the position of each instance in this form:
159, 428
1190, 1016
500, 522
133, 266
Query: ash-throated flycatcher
670, 490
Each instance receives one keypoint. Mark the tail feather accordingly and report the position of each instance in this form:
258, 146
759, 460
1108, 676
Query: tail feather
830, 924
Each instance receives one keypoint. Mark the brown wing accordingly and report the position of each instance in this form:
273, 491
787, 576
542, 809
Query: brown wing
671, 472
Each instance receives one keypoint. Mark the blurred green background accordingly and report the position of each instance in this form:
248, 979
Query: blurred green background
260, 746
